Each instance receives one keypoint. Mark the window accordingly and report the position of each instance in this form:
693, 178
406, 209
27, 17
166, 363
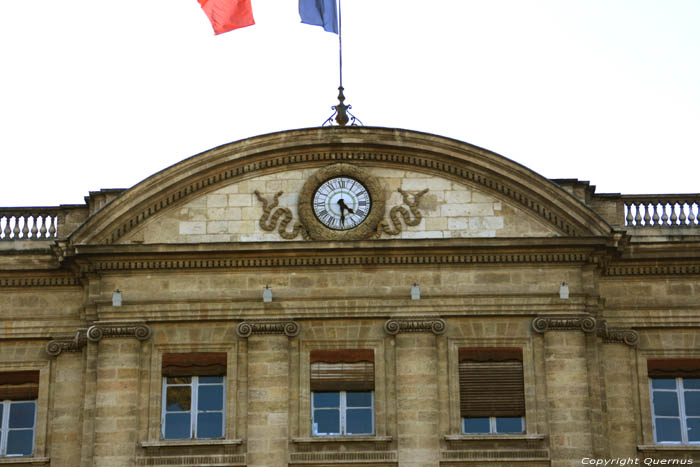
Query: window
18, 394
194, 392
342, 397
674, 385
491, 390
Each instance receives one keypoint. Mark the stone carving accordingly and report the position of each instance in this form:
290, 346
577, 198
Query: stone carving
288, 328
342, 457
97, 332
394, 326
268, 222
55, 347
618, 335
397, 211
318, 231
586, 324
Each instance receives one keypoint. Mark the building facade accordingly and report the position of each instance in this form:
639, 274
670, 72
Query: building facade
351, 296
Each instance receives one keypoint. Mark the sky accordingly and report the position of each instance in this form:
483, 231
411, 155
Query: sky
102, 94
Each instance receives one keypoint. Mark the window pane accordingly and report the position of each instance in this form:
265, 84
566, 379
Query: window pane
211, 379
358, 421
179, 380
693, 429
177, 426
359, 399
691, 383
663, 383
210, 398
692, 403
326, 399
22, 415
210, 425
475, 425
179, 398
327, 421
19, 442
668, 429
665, 403
509, 425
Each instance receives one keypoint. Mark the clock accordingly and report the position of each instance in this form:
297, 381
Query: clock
341, 202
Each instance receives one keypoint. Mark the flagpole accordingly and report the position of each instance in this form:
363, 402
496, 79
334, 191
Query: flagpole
340, 43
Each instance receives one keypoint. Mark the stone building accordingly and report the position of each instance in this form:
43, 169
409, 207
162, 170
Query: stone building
350, 296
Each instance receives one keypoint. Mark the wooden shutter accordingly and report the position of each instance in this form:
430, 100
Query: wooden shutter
673, 367
491, 382
194, 364
342, 370
19, 385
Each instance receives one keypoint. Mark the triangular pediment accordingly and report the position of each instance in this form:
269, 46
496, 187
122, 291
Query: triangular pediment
260, 189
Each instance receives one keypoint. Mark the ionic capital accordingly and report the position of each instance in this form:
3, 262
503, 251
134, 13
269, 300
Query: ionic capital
586, 324
100, 331
55, 347
618, 335
394, 326
247, 328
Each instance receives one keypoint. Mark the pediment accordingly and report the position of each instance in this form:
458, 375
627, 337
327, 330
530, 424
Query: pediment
251, 191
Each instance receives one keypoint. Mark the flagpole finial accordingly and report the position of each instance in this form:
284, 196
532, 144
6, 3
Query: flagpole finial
341, 109
342, 114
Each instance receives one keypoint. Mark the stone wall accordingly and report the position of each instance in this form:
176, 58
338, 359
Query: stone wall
232, 214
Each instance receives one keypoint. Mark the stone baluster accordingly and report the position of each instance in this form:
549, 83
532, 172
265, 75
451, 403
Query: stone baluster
629, 218
674, 216
52, 226
664, 217
656, 217
647, 216
691, 215
637, 215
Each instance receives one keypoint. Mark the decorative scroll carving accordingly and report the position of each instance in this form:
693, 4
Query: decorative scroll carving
396, 325
618, 335
55, 347
288, 328
269, 223
99, 331
586, 324
397, 211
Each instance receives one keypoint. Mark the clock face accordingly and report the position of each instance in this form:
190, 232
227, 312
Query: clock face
341, 203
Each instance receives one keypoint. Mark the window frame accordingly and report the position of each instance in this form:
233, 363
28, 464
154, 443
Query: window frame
5, 427
41, 411
194, 411
151, 434
682, 414
493, 427
531, 384
342, 421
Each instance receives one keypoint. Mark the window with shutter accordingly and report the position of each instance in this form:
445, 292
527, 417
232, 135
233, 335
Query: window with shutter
491, 390
674, 386
194, 392
342, 398
19, 391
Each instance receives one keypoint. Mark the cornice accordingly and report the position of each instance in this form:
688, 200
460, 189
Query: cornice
656, 268
367, 147
33, 280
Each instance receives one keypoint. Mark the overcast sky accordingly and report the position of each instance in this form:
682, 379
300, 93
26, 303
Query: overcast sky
102, 94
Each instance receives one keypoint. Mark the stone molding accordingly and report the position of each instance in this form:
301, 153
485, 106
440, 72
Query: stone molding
57, 346
342, 457
42, 281
495, 455
368, 147
542, 324
643, 269
333, 260
194, 460
99, 331
618, 335
394, 326
286, 327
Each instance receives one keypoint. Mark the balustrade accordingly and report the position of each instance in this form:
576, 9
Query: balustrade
646, 211
29, 223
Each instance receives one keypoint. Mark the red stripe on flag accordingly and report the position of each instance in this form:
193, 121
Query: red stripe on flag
227, 15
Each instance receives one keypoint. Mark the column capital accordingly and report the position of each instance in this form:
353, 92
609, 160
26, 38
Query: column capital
74, 344
287, 327
99, 331
586, 324
394, 326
